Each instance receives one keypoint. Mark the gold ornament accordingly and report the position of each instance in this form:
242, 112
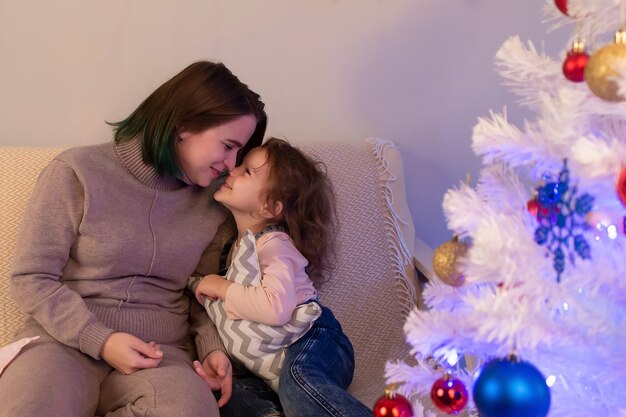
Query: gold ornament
605, 66
445, 261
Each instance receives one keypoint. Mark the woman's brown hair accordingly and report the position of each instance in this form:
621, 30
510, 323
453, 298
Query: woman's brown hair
307, 197
203, 95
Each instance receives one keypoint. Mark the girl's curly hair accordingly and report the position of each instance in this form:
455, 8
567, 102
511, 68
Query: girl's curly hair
308, 214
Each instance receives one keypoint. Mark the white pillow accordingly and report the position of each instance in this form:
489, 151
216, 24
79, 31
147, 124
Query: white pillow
259, 347
10, 351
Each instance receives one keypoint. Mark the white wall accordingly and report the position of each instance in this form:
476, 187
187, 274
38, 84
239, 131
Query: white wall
418, 72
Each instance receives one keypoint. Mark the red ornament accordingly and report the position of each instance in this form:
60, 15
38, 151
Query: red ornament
392, 405
537, 210
533, 207
449, 395
574, 65
621, 186
562, 6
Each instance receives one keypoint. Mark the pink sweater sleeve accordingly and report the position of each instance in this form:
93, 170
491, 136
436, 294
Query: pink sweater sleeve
283, 280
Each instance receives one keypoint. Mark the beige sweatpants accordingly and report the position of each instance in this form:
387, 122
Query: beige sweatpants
50, 379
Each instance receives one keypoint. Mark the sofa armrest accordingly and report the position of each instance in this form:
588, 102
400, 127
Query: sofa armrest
423, 260
423, 264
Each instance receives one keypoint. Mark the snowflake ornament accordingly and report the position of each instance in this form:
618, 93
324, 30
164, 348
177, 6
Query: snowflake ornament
562, 220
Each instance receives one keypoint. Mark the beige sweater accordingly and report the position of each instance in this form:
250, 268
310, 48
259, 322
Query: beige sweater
107, 245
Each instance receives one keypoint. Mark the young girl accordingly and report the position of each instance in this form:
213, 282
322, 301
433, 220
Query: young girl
285, 199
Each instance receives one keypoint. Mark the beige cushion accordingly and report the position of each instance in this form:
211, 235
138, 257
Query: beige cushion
373, 288
19, 169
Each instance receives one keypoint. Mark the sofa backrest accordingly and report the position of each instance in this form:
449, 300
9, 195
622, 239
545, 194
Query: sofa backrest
373, 287
19, 169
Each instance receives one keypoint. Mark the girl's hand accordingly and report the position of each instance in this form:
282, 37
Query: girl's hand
212, 287
127, 354
217, 372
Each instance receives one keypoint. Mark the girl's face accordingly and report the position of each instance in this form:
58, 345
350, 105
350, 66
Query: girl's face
243, 192
203, 156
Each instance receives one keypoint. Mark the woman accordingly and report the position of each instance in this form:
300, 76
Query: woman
109, 238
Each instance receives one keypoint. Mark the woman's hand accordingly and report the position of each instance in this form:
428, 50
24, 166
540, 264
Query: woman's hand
212, 287
217, 372
127, 354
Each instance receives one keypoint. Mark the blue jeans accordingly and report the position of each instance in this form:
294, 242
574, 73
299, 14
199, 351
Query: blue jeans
317, 371
251, 397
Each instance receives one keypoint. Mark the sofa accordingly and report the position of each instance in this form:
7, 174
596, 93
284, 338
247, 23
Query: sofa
375, 283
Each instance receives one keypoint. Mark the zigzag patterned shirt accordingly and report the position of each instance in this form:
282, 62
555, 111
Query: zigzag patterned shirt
285, 283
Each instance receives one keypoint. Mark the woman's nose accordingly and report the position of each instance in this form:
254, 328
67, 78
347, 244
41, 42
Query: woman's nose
230, 161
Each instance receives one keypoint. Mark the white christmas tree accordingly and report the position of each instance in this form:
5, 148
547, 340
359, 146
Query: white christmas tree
538, 274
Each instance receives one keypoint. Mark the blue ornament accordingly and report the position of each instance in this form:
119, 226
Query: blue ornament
551, 193
508, 388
